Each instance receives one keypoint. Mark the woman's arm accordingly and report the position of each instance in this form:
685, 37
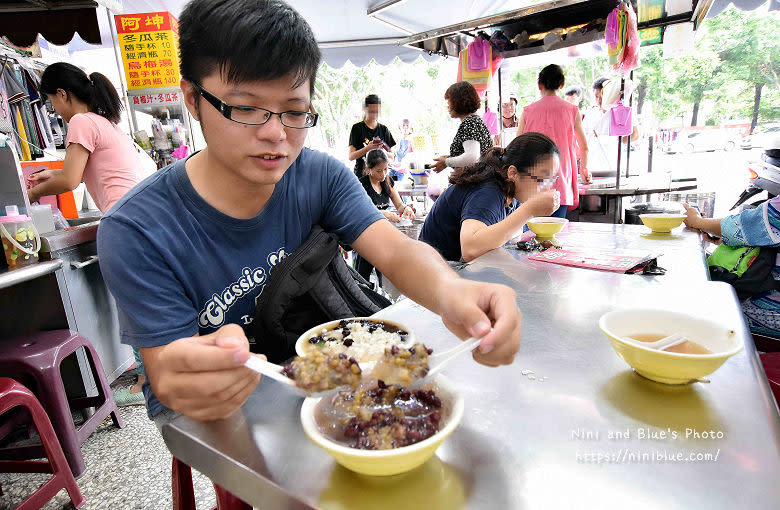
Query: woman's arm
477, 238
403, 209
469, 157
583, 147
521, 125
359, 153
76, 157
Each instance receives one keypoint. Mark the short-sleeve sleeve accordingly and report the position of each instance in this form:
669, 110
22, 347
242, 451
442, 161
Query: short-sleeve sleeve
389, 137
83, 131
753, 227
354, 137
485, 204
153, 305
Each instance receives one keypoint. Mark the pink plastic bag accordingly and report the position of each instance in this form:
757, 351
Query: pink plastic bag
611, 35
620, 120
479, 55
491, 121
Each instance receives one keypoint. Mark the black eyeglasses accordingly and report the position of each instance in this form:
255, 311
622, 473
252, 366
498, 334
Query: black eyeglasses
255, 116
544, 182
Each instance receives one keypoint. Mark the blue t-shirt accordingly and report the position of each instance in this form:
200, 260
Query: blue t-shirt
178, 267
483, 202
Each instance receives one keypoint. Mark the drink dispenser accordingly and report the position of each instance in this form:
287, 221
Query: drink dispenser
21, 241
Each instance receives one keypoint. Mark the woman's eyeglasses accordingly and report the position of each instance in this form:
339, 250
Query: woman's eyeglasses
255, 116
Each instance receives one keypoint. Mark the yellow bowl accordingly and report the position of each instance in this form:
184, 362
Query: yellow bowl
301, 345
669, 367
662, 222
545, 227
397, 460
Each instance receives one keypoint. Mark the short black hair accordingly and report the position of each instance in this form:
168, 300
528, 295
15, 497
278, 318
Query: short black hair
573, 90
465, 99
551, 77
371, 99
247, 40
599, 84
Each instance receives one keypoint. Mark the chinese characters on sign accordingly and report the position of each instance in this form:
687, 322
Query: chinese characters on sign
167, 98
649, 10
149, 44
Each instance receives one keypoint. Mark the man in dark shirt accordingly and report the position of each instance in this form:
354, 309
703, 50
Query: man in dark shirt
369, 134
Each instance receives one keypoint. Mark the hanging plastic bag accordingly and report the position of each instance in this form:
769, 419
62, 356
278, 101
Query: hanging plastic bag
491, 121
479, 55
620, 120
630, 58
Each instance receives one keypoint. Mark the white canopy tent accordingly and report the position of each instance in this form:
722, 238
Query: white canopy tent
362, 30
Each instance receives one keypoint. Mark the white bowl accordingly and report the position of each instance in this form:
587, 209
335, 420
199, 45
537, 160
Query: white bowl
301, 343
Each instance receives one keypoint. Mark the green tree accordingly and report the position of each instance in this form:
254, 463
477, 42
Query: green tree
749, 47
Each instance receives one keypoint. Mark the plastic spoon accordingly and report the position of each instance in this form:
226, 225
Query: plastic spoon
274, 372
664, 343
438, 361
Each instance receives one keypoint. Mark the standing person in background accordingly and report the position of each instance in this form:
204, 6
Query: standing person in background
561, 121
596, 126
405, 145
96, 152
381, 191
369, 134
473, 137
573, 95
508, 121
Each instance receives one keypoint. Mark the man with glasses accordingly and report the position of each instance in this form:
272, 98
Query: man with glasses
188, 251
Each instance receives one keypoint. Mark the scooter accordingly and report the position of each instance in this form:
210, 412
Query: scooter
764, 176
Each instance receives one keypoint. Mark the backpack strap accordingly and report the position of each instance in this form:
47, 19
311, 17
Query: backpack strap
292, 277
310, 286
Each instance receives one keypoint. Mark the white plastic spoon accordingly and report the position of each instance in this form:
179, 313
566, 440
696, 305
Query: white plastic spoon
274, 372
664, 343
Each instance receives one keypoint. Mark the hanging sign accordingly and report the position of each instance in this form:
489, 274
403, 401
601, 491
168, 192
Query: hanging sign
149, 44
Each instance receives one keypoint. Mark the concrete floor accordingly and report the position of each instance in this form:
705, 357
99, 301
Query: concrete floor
127, 468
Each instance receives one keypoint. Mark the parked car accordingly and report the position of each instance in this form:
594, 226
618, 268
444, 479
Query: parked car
761, 136
699, 141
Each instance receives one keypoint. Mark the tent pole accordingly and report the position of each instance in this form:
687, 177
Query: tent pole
118, 60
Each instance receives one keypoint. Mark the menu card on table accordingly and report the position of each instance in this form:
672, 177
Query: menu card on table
617, 261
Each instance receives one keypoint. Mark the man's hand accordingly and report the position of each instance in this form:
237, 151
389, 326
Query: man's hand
203, 377
471, 308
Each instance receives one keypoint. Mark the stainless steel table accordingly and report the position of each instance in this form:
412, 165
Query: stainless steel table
567, 425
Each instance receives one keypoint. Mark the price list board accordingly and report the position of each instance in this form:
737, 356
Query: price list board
149, 45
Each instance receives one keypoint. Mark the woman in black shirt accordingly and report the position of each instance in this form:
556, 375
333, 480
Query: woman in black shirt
381, 191
369, 134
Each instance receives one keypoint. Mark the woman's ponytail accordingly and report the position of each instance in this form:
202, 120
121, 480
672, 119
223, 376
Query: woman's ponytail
105, 100
95, 90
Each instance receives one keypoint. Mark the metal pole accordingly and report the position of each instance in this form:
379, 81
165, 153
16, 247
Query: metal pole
628, 144
118, 59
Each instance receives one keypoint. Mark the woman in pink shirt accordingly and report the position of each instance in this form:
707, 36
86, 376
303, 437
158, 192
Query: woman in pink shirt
561, 121
97, 151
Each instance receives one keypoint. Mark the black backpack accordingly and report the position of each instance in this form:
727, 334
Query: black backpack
310, 286
756, 279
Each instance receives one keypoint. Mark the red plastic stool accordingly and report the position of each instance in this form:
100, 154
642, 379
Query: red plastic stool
771, 363
13, 394
37, 358
184, 493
